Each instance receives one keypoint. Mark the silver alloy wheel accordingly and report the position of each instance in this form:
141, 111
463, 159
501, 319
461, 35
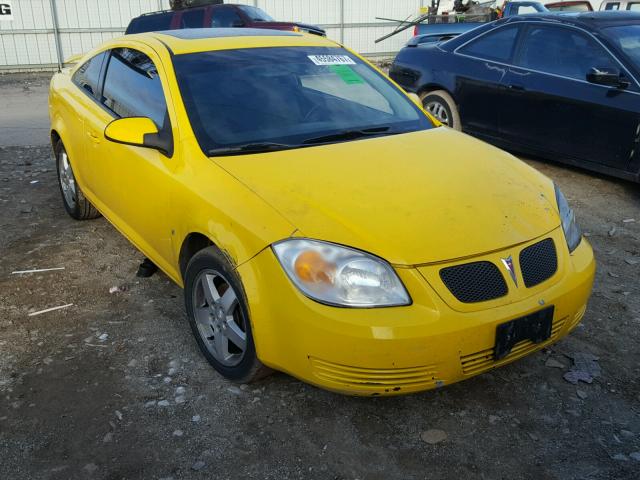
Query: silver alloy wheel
438, 110
220, 321
67, 180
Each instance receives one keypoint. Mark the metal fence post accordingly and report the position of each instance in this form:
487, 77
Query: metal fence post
56, 33
342, 21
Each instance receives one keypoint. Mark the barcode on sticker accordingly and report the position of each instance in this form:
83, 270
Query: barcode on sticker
331, 59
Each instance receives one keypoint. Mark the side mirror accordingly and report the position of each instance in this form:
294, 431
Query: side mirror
138, 132
609, 77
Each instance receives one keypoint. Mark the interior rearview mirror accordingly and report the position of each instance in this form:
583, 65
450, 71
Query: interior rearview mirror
607, 76
136, 131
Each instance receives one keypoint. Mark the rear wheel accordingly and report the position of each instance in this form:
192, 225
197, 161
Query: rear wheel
219, 317
75, 203
442, 106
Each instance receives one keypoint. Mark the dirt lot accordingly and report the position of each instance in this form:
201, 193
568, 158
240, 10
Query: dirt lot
114, 386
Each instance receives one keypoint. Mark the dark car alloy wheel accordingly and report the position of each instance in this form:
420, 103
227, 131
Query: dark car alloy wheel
438, 110
442, 106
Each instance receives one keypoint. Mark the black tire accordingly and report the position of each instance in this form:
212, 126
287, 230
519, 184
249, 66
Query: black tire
433, 101
212, 262
74, 201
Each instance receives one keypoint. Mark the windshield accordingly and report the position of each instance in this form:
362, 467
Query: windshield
627, 39
256, 14
291, 97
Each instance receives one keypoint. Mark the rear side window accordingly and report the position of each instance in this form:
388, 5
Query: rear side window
132, 86
634, 6
562, 51
150, 23
226, 17
612, 6
497, 45
192, 18
88, 75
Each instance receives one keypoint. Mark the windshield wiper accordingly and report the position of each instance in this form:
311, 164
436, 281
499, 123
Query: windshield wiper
350, 135
249, 148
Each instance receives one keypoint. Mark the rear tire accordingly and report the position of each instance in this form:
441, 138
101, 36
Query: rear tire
219, 317
442, 106
75, 203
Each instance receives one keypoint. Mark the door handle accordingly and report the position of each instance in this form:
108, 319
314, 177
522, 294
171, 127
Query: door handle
516, 87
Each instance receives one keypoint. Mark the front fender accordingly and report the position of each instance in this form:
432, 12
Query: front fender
209, 201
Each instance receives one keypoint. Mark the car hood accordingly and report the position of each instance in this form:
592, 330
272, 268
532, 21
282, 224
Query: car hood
412, 199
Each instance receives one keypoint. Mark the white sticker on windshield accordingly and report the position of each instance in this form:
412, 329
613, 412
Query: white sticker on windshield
331, 59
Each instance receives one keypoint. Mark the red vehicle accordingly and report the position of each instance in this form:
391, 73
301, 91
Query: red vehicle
217, 16
570, 6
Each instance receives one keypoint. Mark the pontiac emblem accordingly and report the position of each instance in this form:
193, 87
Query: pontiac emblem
508, 264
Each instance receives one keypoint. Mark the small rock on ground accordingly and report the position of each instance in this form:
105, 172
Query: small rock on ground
553, 363
234, 390
433, 436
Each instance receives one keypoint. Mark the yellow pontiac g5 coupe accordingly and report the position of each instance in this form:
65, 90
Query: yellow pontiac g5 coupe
319, 221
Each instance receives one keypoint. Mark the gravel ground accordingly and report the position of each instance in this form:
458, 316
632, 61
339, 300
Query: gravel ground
114, 387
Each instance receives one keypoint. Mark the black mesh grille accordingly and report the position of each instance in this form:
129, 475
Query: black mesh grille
538, 262
474, 282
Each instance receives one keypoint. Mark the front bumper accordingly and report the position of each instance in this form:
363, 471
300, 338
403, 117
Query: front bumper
397, 350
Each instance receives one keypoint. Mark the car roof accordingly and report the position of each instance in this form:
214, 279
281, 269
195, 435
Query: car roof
195, 40
597, 20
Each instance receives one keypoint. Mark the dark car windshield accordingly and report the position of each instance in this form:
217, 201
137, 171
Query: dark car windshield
293, 96
150, 23
627, 39
256, 14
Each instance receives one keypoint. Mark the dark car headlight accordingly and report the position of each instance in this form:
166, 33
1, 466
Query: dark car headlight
572, 232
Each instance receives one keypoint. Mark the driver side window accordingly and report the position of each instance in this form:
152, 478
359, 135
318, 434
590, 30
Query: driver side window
562, 51
132, 87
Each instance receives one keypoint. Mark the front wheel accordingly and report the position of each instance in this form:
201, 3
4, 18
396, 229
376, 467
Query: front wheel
442, 106
219, 317
75, 203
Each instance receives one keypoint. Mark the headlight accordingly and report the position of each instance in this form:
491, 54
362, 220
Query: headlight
340, 276
572, 232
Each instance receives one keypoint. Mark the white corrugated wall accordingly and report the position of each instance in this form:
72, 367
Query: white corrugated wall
28, 42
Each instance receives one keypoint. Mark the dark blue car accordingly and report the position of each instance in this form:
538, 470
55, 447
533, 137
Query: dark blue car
564, 87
